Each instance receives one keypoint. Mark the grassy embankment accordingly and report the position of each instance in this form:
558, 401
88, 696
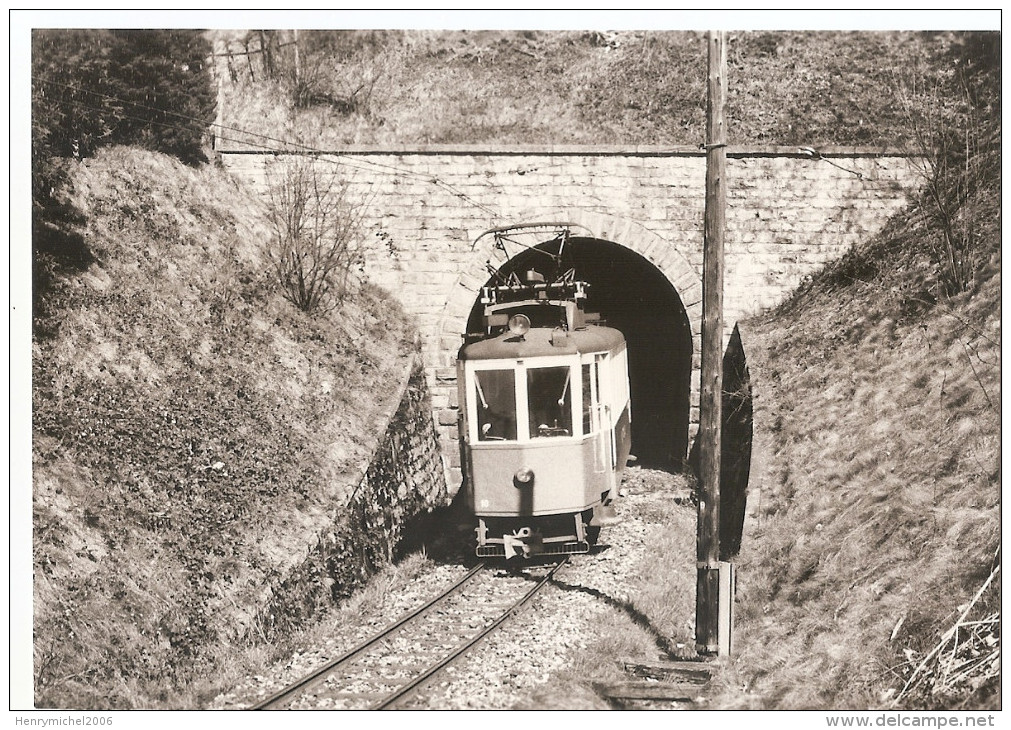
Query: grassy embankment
539, 87
875, 494
878, 447
191, 430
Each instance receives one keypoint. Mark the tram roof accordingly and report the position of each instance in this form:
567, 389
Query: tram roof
537, 343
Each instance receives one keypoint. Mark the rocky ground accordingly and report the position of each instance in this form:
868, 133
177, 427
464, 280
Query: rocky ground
513, 665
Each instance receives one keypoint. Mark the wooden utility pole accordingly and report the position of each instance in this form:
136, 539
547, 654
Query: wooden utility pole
708, 611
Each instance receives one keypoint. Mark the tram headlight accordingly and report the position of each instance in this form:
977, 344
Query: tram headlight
524, 476
519, 324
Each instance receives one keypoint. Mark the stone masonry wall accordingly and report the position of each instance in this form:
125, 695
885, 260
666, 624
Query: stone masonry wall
403, 483
788, 214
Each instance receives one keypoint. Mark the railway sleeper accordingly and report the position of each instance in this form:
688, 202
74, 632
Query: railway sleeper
682, 672
647, 690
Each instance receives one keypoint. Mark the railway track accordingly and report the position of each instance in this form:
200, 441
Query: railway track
385, 670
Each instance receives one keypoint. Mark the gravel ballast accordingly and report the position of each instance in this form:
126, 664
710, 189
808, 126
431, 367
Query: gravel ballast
516, 661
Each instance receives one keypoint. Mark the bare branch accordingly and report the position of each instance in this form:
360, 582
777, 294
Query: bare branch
317, 231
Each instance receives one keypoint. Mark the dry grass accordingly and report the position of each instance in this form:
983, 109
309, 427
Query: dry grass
191, 431
178, 400
878, 424
539, 87
865, 579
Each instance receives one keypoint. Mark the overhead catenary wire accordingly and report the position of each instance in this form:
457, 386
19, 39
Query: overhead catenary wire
324, 155
179, 115
77, 102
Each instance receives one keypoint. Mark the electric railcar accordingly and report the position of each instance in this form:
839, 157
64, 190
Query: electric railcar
545, 420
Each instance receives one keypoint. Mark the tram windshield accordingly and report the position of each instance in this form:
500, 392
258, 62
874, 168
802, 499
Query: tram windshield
549, 401
496, 404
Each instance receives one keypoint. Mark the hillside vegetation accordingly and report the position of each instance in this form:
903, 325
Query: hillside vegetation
878, 386
541, 87
878, 444
191, 429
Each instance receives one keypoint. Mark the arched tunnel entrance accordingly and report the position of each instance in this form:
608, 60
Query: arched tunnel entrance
633, 296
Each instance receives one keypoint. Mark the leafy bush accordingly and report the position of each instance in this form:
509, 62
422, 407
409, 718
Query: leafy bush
92, 88
98, 87
169, 86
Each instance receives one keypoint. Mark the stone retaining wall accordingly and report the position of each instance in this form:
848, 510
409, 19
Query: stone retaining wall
403, 483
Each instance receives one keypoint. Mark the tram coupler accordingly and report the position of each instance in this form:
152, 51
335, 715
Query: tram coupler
524, 542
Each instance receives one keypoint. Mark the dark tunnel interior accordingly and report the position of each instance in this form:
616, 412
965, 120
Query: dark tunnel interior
633, 296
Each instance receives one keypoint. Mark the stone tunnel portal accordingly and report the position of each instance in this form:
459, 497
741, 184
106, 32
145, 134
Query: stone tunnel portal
633, 296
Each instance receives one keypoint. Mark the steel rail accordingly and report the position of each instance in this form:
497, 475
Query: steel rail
320, 674
390, 699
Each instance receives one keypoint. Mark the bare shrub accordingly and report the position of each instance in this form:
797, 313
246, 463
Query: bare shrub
336, 69
955, 125
316, 247
324, 82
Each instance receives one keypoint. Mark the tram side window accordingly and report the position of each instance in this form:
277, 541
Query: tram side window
587, 399
619, 388
496, 405
549, 399
602, 377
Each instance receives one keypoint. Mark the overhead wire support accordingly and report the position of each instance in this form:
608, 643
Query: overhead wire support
712, 605
529, 228
816, 155
501, 240
83, 105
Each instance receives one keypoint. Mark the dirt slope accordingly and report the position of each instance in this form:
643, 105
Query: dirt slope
571, 87
190, 427
877, 451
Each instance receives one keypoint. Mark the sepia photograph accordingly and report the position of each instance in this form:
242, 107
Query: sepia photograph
506, 361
